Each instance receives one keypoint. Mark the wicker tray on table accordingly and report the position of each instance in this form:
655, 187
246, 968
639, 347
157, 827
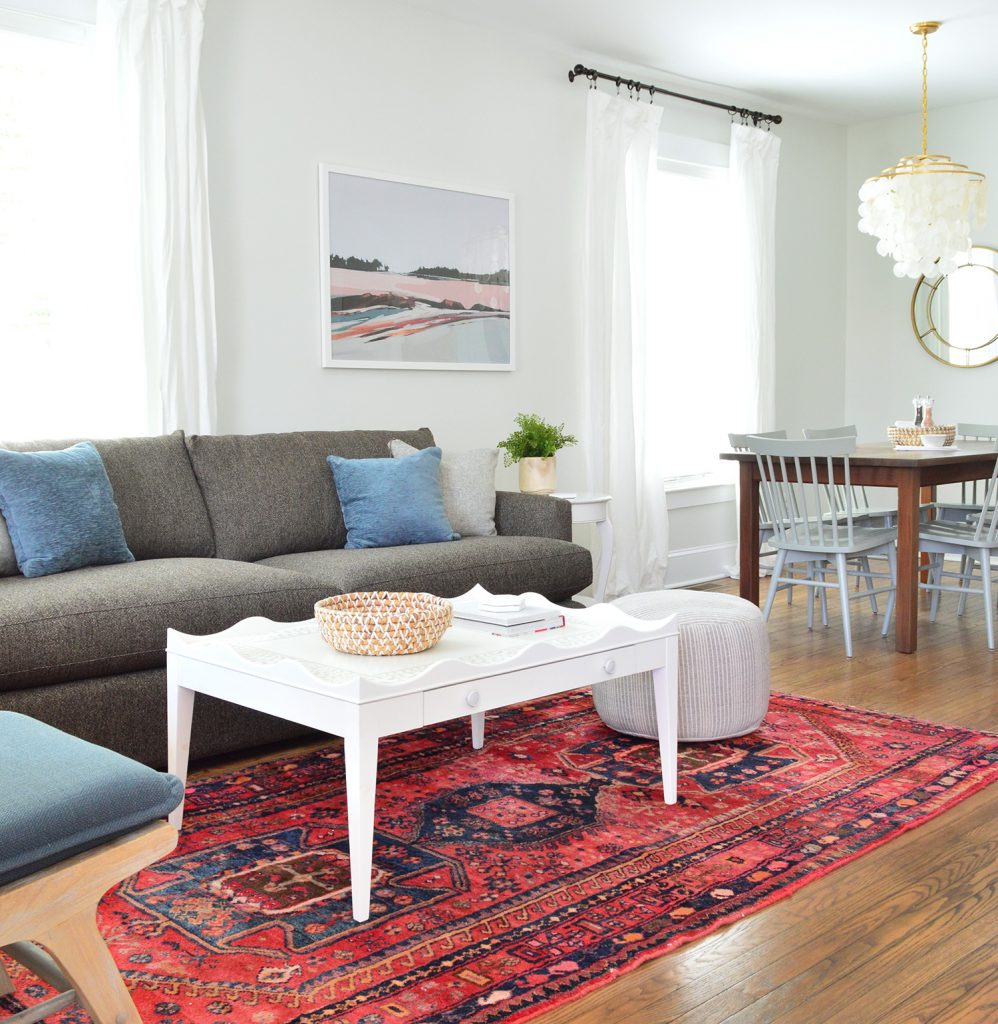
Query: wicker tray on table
912, 436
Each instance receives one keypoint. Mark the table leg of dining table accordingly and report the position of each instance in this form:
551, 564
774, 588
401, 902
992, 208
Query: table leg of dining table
928, 496
906, 609
748, 532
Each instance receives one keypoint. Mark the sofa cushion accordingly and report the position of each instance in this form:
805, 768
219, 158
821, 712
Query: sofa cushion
162, 511
273, 494
113, 618
63, 795
60, 510
555, 568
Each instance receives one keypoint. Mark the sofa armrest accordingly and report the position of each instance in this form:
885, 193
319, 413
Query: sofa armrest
532, 515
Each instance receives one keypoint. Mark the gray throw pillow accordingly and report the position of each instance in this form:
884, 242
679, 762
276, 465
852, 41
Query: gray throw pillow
468, 482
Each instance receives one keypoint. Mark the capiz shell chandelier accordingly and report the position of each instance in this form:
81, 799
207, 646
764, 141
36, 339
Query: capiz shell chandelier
924, 208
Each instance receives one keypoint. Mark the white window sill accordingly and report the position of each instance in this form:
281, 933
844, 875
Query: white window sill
691, 491
690, 483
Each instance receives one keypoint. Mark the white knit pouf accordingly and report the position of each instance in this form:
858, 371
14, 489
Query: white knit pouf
723, 668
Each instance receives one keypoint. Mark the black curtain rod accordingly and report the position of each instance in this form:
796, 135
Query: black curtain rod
591, 74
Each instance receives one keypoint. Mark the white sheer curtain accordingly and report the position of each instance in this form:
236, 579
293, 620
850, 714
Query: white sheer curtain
753, 163
149, 51
621, 143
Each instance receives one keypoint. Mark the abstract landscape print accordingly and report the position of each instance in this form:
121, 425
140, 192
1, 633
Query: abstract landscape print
414, 276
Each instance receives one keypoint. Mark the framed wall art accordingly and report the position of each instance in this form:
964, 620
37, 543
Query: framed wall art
414, 275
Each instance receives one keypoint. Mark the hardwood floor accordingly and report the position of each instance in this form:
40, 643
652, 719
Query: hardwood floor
907, 933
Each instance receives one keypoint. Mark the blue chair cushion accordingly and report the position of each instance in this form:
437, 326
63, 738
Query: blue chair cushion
62, 795
60, 510
387, 502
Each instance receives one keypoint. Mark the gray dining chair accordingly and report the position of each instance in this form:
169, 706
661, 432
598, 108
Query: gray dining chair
825, 536
976, 543
864, 513
739, 443
971, 491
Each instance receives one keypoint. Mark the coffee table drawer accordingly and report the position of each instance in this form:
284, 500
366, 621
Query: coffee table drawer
447, 702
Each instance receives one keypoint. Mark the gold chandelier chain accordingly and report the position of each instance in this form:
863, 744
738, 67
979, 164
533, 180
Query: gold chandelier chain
925, 91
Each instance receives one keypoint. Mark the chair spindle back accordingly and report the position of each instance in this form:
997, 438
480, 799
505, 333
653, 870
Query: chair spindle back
807, 512
972, 491
740, 443
860, 499
987, 521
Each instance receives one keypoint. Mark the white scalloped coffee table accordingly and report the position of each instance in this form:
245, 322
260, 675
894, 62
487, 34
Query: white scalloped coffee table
285, 669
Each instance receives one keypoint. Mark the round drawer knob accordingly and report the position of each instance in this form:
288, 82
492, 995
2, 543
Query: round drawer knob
472, 699
609, 667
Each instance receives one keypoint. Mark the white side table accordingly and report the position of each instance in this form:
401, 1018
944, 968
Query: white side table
594, 508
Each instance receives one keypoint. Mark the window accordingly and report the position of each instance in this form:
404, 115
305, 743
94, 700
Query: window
61, 375
695, 363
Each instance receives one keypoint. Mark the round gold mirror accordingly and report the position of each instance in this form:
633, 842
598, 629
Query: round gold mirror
955, 316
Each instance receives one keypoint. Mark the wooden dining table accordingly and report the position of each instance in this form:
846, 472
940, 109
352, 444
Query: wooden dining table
913, 474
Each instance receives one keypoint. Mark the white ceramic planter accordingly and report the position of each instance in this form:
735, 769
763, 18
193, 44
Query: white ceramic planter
537, 476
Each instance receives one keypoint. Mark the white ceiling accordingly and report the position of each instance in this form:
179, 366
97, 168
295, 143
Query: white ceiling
846, 60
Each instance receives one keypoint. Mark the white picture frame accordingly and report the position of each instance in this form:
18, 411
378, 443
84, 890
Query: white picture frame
431, 284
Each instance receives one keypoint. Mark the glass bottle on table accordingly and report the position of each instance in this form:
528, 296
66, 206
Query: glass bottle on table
927, 420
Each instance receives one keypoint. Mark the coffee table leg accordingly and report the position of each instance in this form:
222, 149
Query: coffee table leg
478, 730
360, 753
179, 712
664, 683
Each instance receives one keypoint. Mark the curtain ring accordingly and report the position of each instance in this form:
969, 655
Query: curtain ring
651, 94
618, 85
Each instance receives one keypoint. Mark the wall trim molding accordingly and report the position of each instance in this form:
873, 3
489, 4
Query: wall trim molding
689, 566
700, 493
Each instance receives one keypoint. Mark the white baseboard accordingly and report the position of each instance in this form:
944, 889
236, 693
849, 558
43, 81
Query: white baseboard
689, 566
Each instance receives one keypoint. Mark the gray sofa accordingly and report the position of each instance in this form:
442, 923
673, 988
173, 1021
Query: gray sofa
223, 527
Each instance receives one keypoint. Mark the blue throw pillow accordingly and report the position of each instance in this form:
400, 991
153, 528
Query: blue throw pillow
60, 510
392, 501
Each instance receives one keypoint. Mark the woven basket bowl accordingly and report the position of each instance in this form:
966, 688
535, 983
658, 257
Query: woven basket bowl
380, 623
913, 435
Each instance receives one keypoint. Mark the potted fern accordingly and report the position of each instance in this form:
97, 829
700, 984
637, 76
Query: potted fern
533, 446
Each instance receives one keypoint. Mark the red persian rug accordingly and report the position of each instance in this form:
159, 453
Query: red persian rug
511, 879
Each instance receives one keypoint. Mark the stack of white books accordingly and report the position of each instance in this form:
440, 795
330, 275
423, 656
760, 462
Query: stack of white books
505, 615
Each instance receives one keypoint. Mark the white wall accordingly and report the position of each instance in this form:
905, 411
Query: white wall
885, 364
378, 86
383, 87
810, 255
